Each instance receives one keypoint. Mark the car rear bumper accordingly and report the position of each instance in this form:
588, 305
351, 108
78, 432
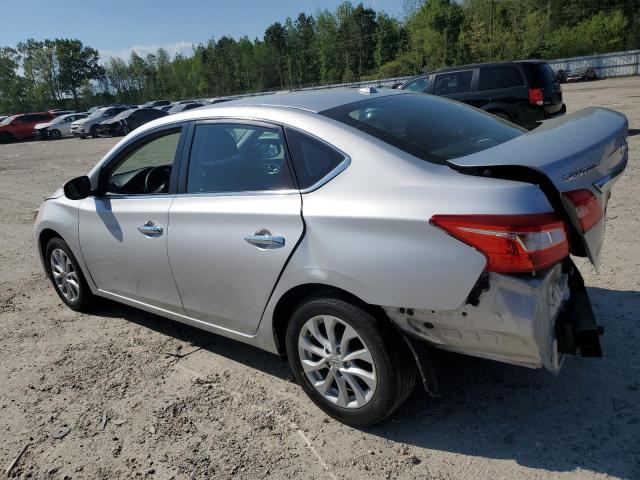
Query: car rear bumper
518, 319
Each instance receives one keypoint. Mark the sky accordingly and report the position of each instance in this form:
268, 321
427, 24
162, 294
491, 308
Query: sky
117, 27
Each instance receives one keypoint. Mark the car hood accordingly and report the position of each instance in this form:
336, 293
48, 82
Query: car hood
57, 194
41, 125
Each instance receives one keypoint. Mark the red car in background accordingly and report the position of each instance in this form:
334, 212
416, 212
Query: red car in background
18, 127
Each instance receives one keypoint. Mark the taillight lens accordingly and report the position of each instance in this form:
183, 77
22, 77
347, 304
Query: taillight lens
587, 207
536, 97
511, 243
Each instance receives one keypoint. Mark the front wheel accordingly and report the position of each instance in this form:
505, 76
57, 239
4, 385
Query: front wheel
66, 276
55, 134
351, 364
94, 131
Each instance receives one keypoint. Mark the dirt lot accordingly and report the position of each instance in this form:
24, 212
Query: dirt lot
226, 410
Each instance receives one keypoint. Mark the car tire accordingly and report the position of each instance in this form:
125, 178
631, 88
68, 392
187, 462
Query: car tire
93, 131
126, 130
55, 134
6, 137
66, 276
360, 384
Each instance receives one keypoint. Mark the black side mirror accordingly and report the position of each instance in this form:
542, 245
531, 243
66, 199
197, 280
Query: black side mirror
78, 188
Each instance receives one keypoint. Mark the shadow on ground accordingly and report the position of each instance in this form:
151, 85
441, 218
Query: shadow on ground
587, 418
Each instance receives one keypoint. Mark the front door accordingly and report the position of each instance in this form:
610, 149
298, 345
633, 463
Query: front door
235, 224
123, 232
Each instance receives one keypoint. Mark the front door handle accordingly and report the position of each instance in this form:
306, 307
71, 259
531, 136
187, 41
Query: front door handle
264, 240
150, 230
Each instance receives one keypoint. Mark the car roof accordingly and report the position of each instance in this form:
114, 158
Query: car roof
488, 64
310, 100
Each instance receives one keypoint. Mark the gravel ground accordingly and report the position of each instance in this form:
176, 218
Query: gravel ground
217, 408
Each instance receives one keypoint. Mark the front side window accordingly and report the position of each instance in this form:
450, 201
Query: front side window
147, 169
430, 128
418, 85
453, 82
499, 77
229, 158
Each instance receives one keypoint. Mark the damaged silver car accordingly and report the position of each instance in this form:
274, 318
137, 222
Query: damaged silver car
352, 230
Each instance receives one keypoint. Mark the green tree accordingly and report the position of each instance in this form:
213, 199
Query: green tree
76, 63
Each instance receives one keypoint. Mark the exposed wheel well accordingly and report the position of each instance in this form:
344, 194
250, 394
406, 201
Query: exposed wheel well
291, 299
46, 235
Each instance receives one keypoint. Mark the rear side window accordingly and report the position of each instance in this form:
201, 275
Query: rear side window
312, 159
540, 75
221, 161
453, 82
499, 77
430, 128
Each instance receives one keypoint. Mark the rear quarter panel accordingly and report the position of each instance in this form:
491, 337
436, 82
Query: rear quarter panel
368, 230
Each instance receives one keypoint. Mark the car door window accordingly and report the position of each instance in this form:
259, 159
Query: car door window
499, 77
419, 85
147, 169
313, 160
453, 82
237, 158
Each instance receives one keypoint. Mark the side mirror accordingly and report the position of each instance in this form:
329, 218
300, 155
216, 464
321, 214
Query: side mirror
78, 188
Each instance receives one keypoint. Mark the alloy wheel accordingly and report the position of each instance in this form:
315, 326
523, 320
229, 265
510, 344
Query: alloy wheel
65, 275
337, 362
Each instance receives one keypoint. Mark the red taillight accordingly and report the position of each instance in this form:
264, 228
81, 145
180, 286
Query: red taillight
511, 243
536, 97
587, 207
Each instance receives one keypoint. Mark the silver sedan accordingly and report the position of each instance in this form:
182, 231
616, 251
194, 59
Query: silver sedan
354, 231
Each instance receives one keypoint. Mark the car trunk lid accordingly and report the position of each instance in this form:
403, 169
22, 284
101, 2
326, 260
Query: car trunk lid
586, 150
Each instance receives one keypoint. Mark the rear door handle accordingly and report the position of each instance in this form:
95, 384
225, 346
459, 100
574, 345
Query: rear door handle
150, 230
264, 240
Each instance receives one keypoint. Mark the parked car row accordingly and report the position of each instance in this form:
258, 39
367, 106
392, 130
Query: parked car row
109, 120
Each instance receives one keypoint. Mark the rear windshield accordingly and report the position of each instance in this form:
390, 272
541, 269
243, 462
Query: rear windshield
430, 128
540, 75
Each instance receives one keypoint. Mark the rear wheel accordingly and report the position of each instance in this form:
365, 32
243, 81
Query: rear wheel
351, 364
66, 276
55, 134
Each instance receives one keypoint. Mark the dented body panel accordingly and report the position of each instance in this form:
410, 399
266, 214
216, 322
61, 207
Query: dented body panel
513, 321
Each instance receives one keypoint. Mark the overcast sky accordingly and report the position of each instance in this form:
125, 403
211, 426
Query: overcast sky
117, 27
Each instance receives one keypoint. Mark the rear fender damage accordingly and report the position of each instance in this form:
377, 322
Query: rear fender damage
525, 320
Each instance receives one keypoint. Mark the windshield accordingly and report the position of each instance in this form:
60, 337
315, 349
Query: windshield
430, 128
8, 120
96, 114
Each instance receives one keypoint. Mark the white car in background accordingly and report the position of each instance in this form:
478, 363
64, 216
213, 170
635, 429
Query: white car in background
58, 127
88, 126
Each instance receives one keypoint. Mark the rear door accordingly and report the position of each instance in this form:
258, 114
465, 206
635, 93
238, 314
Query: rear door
501, 88
24, 126
454, 85
235, 222
582, 154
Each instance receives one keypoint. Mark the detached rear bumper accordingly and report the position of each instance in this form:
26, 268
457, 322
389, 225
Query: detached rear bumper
517, 319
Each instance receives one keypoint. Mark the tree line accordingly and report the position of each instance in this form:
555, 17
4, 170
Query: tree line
348, 44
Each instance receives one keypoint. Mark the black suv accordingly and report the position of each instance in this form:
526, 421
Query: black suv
524, 92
